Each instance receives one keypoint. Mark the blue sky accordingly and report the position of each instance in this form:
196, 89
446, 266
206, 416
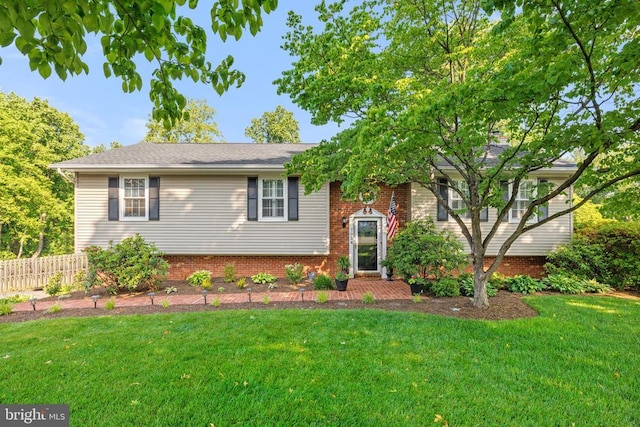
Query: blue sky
105, 113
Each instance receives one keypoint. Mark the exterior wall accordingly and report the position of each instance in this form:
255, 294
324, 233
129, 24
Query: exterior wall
204, 215
537, 242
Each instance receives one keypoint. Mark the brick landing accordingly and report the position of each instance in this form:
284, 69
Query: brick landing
380, 288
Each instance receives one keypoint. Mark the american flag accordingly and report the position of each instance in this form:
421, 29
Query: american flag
392, 221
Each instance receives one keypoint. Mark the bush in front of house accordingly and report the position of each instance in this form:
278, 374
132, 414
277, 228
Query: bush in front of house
294, 273
607, 252
421, 251
569, 284
446, 287
130, 265
322, 282
524, 284
465, 280
200, 278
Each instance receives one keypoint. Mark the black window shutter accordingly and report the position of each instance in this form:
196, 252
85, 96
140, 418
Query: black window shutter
544, 190
252, 198
504, 186
154, 198
292, 195
484, 215
114, 190
443, 188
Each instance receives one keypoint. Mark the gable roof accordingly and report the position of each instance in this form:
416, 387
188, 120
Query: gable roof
145, 156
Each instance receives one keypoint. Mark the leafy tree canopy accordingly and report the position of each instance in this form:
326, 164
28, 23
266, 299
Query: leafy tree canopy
431, 84
196, 126
53, 35
275, 127
36, 203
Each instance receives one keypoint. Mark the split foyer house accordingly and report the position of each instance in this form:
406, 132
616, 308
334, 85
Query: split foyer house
208, 205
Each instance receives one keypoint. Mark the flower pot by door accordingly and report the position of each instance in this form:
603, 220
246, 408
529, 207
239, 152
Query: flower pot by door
416, 288
341, 285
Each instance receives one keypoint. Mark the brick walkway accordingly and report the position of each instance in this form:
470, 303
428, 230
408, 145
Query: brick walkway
380, 288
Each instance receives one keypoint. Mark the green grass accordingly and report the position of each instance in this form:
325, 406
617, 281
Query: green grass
577, 363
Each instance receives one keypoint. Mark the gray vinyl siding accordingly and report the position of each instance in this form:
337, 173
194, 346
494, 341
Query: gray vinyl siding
539, 241
204, 215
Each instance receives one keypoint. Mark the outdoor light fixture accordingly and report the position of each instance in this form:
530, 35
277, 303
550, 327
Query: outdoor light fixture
151, 296
302, 293
95, 300
311, 275
33, 300
204, 294
344, 222
249, 293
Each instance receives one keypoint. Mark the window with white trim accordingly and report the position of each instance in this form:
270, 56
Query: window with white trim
457, 203
134, 198
522, 201
273, 199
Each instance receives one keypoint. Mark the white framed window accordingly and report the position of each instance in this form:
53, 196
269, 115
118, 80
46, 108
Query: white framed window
134, 198
524, 196
457, 203
272, 199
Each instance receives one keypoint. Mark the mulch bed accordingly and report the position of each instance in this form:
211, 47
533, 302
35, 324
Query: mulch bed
505, 305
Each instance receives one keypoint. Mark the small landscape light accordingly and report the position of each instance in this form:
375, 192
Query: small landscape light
95, 300
249, 293
151, 296
33, 300
204, 294
302, 293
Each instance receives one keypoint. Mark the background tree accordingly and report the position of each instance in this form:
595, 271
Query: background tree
276, 127
196, 126
53, 35
431, 83
36, 203
102, 148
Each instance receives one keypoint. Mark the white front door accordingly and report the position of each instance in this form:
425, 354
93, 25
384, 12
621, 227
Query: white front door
367, 245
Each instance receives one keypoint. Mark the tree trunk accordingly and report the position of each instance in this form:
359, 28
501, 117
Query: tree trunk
480, 298
38, 251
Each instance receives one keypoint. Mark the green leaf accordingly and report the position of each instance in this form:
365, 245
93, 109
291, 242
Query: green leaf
44, 69
6, 38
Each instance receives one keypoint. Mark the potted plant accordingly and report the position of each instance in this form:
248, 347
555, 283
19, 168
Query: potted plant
341, 281
416, 283
344, 264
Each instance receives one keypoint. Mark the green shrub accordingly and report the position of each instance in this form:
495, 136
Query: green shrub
322, 297
574, 285
229, 273
6, 307
608, 252
497, 281
420, 250
294, 272
524, 284
322, 281
54, 284
368, 298
110, 304
564, 283
54, 308
200, 278
264, 278
132, 264
240, 284
446, 287
465, 280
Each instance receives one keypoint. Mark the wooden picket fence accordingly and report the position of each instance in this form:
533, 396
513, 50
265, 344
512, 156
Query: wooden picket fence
33, 273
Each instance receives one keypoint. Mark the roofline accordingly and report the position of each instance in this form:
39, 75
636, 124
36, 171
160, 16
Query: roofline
164, 167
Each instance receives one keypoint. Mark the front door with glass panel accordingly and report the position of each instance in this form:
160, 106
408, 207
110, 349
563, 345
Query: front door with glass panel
367, 245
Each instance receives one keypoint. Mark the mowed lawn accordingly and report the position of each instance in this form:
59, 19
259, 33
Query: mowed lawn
578, 363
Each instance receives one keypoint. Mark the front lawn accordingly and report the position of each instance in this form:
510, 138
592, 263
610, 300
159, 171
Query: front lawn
575, 364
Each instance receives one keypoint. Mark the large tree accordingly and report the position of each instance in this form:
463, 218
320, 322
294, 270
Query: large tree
430, 84
36, 202
53, 35
196, 126
274, 127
